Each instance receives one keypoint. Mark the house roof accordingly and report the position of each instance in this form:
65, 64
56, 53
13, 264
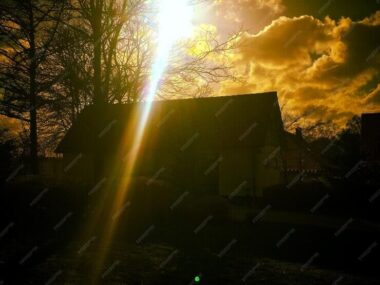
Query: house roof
229, 121
370, 135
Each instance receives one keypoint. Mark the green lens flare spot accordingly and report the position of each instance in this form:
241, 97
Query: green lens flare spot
197, 279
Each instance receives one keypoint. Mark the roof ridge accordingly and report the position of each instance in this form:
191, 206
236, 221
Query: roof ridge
272, 94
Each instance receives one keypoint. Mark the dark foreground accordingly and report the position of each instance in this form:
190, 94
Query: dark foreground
45, 242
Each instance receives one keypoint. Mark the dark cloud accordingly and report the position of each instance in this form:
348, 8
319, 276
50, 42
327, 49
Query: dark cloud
354, 9
287, 41
329, 66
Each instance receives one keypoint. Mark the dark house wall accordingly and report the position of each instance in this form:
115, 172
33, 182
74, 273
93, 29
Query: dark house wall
370, 136
207, 144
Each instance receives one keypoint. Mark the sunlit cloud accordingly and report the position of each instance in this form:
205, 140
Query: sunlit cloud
330, 66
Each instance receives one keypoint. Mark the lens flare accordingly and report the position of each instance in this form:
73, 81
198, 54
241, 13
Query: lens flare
174, 23
174, 20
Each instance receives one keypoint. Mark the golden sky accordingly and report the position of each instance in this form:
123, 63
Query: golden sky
322, 57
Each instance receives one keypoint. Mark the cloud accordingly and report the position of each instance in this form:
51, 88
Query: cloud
373, 20
373, 98
13, 126
250, 15
327, 65
285, 42
240, 8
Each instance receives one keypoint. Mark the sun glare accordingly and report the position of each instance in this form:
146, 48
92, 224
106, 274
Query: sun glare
174, 23
175, 20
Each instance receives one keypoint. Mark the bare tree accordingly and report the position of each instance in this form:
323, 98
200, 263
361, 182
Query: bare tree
28, 30
99, 23
121, 37
105, 50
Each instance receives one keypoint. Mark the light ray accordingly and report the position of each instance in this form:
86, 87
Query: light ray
174, 23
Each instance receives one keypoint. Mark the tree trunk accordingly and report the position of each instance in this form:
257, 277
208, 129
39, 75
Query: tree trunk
33, 99
33, 133
99, 96
97, 60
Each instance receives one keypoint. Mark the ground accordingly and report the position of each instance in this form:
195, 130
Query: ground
141, 265
272, 247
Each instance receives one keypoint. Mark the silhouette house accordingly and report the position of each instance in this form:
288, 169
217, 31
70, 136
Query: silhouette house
370, 136
297, 156
225, 145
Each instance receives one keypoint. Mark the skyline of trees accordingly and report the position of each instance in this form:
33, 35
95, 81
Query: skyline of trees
59, 56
